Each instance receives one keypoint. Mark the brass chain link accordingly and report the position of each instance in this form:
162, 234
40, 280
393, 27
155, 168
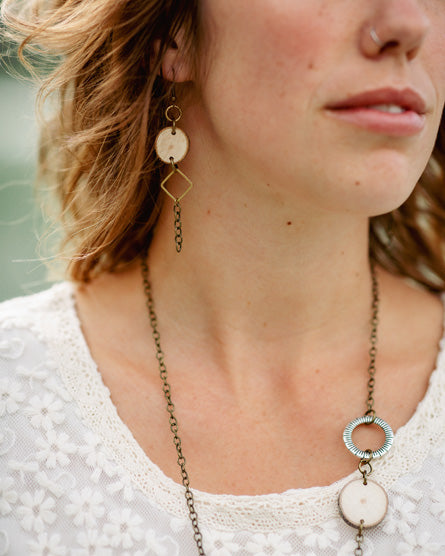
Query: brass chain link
171, 408
167, 389
178, 226
373, 339
365, 467
359, 538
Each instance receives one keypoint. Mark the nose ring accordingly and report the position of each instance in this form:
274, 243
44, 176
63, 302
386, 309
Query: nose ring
376, 38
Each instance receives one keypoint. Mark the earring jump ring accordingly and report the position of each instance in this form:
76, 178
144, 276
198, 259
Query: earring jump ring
172, 118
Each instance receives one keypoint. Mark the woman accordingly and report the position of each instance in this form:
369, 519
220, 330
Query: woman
306, 121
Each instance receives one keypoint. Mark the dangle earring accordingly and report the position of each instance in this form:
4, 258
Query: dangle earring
171, 146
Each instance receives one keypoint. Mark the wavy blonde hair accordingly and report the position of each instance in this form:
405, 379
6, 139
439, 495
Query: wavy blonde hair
98, 145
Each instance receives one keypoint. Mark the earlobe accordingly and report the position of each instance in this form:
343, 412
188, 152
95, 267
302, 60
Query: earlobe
176, 66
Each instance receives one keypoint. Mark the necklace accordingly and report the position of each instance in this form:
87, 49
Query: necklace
362, 503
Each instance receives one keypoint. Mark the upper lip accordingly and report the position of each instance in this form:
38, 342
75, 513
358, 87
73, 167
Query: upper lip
405, 98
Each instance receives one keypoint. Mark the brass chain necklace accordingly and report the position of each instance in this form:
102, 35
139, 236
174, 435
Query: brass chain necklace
362, 503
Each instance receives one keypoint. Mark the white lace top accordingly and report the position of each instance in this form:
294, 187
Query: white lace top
73, 480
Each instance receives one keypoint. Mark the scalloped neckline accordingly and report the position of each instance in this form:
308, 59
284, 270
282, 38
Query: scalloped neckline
300, 506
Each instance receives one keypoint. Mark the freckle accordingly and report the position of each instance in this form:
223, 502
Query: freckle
289, 223
357, 183
264, 324
310, 66
209, 211
268, 184
245, 205
317, 371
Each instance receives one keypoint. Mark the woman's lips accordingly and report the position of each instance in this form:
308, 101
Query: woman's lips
389, 111
404, 124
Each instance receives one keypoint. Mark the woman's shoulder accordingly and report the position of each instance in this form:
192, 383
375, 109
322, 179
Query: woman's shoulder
29, 324
27, 311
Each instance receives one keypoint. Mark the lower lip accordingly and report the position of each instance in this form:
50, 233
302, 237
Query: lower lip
404, 124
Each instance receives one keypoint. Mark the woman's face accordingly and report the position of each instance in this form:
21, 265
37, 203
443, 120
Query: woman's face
282, 100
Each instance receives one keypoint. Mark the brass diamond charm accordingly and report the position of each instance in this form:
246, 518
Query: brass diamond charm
165, 180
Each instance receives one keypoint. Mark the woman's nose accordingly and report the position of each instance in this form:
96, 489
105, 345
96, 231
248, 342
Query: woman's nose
398, 27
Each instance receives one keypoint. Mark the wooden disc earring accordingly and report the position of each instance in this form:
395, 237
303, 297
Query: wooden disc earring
172, 145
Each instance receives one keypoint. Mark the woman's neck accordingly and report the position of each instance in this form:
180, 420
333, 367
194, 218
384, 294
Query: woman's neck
259, 275
265, 255
252, 300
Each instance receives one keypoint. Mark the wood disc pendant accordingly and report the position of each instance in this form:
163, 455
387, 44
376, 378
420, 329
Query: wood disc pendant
358, 501
170, 145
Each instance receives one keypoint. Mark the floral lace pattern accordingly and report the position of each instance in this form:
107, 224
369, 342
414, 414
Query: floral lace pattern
73, 480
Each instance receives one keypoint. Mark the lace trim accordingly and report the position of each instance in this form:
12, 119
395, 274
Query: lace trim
53, 318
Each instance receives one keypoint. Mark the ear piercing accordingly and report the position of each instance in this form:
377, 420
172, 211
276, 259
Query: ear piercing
376, 38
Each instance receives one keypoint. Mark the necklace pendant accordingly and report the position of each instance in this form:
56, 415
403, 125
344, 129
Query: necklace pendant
368, 420
363, 504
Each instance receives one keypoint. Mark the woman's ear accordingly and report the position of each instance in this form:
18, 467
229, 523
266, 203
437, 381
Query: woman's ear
176, 64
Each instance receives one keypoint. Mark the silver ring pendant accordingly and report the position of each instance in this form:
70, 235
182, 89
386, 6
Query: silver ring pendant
367, 420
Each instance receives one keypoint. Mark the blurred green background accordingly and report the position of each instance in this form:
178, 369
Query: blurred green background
21, 224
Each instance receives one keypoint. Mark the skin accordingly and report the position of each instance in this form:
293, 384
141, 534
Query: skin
264, 314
